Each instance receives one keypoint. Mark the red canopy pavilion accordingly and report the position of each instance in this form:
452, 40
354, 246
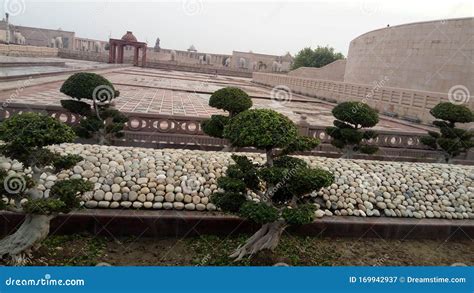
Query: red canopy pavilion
116, 49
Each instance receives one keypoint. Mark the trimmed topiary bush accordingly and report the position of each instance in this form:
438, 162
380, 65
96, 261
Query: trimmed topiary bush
230, 99
282, 182
99, 120
24, 137
347, 133
450, 141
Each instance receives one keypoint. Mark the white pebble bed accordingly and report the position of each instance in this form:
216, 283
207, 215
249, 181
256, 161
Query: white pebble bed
127, 177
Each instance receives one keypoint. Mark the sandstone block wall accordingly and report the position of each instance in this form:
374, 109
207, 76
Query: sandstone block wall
428, 56
27, 51
333, 71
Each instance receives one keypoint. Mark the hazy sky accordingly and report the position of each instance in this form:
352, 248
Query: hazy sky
273, 27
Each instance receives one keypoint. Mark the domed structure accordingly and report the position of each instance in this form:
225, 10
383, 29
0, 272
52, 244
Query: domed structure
129, 37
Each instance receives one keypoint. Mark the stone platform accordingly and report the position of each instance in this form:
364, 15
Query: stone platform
140, 223
166, 92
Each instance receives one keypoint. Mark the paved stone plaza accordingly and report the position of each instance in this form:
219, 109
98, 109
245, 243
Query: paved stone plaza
177, 93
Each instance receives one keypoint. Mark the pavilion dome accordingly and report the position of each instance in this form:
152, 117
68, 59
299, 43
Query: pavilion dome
129, 37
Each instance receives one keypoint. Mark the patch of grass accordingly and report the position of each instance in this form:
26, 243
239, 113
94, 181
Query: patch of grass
293, 250
71, 250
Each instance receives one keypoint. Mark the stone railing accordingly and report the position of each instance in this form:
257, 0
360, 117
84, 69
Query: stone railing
27, 51
157, 131
407, 104
84, 55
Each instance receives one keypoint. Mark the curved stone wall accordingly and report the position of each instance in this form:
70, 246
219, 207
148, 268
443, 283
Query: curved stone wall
429, 56
126, 177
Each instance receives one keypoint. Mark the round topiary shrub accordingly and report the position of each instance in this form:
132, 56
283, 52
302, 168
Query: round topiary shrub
453, 113
99, 120
261, 128
450, 141
230, 99
90, 86
347, 134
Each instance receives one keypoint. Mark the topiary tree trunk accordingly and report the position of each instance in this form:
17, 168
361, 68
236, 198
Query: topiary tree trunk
25, 136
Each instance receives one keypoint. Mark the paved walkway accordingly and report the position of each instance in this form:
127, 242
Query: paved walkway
145, 90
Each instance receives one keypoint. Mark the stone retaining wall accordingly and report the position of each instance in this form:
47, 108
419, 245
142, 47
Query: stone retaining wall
27, 51
126, 177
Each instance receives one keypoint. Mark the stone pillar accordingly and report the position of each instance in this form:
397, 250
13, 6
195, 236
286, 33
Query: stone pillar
303, 126
135, 56
143, 56
112, 53
120, 54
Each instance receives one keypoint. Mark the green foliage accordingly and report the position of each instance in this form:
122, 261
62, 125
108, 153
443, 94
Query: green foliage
318, 57
356, 113
301, 144
451, 141
429, 141
25, 137
289, 162
100, 121
346, 132
301, 215
370, 134
228, 201
368, 149
259, 213
25, 134
260, 128
452, 113
66, 162
231, 184
83, 84
76, 107
244, 170
69, 191
34, 130
215, 126
230, 99
44, 206
294, 182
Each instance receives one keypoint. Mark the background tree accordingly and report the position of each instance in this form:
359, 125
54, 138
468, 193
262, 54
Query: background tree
450, 140
25, 136
281, 182
230, 99
99, 120
318, 57
347, 133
